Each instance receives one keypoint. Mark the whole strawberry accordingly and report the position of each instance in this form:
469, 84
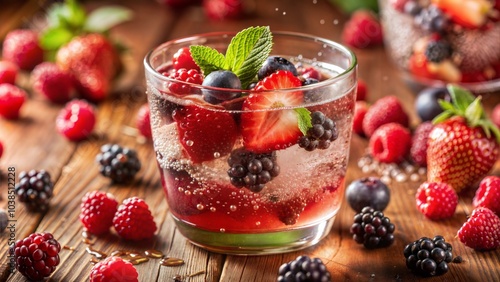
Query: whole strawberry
481, 231
52, 82
463, 146
113, 269
418, 150
11, 100
98, 209
223, 9
21, 46
133, 220
488, 194
93, 61
436, 200
385, 110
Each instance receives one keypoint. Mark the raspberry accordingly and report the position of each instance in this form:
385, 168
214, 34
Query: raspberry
428, 257
321, 134
360, 110
97, 211
304, 268
8, 72
481, 231
390, 143
76, 120
223, 9
372, 229
133, 220
11, 100
310, 73
361, 91
385, 110
37, 255
436, 200
114, 269
495, 116
418, 150
363, 30
189, 76
118, 163
142, 121
182, 59
488, 194
34, 189
252, 170
52, 82
21, 47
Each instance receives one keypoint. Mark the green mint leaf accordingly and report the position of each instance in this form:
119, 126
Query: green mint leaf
208, 59
461, 97
69, 14
102, 19
247, 52
304, 119
54, 38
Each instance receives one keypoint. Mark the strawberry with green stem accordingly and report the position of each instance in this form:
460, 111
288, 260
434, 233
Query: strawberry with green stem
464, 144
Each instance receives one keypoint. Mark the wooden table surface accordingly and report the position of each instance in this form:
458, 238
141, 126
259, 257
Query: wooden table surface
33, 143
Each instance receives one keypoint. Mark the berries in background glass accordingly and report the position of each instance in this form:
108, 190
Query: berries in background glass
76, 120
276, 63
221, 79
304, 268
36, 256
119, 163
369, 191
321, 134
372, 229
428, 257
34, 189
12, 98
427, 104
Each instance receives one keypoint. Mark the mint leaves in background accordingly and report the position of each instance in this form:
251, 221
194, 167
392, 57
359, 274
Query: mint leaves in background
245, 54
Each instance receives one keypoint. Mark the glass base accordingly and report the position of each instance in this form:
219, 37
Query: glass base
256, 243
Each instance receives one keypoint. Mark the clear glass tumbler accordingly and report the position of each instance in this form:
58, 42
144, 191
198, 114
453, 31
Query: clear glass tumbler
196, 144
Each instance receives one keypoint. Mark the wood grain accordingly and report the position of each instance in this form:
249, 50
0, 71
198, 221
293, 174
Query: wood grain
33, 143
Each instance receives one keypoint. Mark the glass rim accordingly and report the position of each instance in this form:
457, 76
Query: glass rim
320, 40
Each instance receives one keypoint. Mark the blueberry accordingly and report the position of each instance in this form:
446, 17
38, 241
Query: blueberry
368, 191
427, 105
275, 63
221, 79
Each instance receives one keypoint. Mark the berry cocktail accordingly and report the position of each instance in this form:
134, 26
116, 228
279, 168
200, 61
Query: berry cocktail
251, 133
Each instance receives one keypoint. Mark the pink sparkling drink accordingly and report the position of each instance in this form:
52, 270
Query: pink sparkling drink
200, 146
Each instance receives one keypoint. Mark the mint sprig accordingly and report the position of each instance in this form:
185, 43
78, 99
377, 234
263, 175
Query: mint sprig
304, 116
245, 54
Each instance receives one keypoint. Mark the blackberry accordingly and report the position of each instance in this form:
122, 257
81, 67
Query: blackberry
274, 64
252, 170
372, 229
438, 51
304, 268
34, 189
36, 256
431, 19
428, 257
321, 134
118, 163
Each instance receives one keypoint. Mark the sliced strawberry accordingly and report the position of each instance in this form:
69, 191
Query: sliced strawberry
418, 66
205, 134
467, 13
264, 129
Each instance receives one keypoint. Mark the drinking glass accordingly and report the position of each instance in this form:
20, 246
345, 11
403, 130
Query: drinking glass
297, 207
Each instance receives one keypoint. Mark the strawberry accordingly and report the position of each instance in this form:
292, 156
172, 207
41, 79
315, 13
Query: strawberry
385, 110
223, 9
390, 143
205, 134
52, 82
363, 30
481, 231
93, 61
417, 65
418, 150
361, 90
8, 72
360, 109
436, 200
11, 100
463, 146
21, 47
264, 127
488, 194
467, 13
